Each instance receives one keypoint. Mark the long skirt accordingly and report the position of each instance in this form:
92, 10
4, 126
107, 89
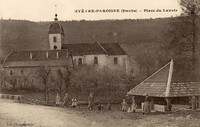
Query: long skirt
146, 107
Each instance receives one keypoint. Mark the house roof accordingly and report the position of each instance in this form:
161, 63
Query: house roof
39, 58
56, 28
94, 48
162, 84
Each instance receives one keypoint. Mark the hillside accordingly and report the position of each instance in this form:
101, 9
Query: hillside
137, 37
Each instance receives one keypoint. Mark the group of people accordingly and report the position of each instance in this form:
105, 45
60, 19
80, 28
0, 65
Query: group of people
124, 105
146, 108
100, 106
74, 102
66, 101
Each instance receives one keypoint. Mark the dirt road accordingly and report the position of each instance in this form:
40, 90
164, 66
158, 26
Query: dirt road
15, 114
24, 115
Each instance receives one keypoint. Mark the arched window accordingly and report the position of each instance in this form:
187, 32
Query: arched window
115, 60
95, 60
55, 47
54, 39
80, 62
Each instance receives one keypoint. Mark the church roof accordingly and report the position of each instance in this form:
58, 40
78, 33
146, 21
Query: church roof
37, 58
56, 28
94, 48
113, 48
164, 83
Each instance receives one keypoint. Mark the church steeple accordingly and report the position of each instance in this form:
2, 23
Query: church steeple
56, 34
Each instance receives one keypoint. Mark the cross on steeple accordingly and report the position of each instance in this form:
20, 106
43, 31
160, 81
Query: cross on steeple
56, 19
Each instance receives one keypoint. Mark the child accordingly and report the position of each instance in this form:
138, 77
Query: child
109, 106
124, 105
74, 103
100, 106
58, 100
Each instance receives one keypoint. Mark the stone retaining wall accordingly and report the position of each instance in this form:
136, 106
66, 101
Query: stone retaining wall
11, 97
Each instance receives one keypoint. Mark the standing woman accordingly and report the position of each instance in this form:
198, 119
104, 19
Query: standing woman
194, 103
124, 105
91, 101
133, 105
66, 100
58, 100
146, 106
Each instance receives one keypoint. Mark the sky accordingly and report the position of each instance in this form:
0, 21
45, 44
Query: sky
44, 10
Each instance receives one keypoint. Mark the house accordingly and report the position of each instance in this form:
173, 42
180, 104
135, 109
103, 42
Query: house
20, 65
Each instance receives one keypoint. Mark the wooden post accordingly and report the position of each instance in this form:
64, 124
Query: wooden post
152, 104
169, 78
169, 106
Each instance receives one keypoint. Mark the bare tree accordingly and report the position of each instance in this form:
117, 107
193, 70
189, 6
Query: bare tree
59, 82
44, 74
67, 77
23, 79
12, 80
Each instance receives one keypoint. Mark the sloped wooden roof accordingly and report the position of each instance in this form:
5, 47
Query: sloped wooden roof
113, 48
39, 58
161, 84
94, 49
84, 49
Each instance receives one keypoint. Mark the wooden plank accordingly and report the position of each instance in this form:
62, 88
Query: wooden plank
159, 108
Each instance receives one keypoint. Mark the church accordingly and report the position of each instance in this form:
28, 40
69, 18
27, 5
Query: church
62, 54
97, 54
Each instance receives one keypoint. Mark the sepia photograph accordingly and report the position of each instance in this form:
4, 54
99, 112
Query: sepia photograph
99, 63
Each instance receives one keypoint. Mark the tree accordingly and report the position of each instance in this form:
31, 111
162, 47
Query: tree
183, 33
59, 82
12, 80
44, 74
23, 79
67, 77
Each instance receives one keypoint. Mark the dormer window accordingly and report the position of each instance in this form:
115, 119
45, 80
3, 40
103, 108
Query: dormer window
54, 39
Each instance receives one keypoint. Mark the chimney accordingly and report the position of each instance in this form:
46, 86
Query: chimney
47, 54
31, 55
57, 55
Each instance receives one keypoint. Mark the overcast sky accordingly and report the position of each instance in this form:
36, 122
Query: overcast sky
44, 10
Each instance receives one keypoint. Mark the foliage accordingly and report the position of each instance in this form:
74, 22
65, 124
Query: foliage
100, 81
183, 37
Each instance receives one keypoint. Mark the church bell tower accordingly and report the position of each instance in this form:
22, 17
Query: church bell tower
56, 35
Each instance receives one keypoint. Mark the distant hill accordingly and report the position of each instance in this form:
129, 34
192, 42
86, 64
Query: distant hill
135, 36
